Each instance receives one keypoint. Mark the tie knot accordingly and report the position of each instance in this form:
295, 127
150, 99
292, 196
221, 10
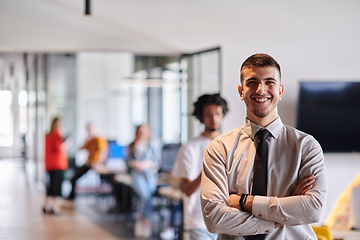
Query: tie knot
262, 134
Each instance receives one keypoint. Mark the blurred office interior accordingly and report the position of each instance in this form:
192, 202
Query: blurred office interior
131, 62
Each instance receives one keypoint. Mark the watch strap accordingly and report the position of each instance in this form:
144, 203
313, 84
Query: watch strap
242, 201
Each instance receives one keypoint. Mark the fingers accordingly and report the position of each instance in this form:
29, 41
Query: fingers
298, 191
307, 179
306, 189
307, 184
304, 185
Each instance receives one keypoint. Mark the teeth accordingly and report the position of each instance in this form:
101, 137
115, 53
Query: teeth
261, 99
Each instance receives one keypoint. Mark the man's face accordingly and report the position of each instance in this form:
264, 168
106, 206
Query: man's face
90, 129
261, 90
212, 117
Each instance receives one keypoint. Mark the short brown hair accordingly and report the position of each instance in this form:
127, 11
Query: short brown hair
259, 60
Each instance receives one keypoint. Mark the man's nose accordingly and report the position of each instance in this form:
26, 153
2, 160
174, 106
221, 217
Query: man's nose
261, 88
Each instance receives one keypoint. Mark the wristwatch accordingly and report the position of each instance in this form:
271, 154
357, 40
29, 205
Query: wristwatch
242, 201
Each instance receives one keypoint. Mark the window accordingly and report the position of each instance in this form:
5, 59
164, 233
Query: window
6, 119
23, 100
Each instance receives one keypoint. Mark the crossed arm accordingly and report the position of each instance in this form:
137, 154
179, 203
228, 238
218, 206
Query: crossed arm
301, 188
264, 213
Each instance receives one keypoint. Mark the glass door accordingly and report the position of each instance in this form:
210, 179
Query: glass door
200, 73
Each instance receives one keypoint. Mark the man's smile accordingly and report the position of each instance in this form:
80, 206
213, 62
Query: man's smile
261, 99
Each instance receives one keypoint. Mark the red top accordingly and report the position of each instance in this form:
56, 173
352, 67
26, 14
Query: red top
55, 156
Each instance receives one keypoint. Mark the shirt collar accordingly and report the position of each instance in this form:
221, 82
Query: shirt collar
274, 128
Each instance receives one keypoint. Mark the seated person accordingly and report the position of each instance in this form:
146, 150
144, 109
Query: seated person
143, 162
98, 151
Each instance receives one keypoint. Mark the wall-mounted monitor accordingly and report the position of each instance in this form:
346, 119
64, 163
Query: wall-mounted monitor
330, 111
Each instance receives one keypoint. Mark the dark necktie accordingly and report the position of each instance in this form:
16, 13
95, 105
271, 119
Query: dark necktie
260, 171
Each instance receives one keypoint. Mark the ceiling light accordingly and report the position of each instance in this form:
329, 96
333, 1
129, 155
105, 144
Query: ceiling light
87, 8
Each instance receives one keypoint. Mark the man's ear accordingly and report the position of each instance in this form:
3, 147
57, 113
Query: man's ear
281, 91
241, 92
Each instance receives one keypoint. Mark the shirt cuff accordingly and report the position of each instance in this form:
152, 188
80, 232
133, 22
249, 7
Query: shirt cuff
260, 210
260, 207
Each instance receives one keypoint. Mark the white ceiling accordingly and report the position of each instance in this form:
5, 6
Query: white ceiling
162, 26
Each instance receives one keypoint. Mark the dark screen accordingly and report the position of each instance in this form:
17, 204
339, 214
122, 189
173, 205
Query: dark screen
168, 156
330, 111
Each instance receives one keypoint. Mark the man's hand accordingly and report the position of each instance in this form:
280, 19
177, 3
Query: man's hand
301, 188
304, 185
234, 201
97, 166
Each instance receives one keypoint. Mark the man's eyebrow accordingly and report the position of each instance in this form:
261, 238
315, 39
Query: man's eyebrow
256, 79
250, 79
270, 78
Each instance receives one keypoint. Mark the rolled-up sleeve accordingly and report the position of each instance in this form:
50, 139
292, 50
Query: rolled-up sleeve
218, 216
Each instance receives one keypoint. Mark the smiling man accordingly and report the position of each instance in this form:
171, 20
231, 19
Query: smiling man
263, 180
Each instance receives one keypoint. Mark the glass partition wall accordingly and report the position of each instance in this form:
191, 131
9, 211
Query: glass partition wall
34, 88
200, 73
165, 92
50, 88
155, 96
116, 91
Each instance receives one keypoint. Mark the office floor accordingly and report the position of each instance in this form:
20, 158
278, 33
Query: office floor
21, 216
